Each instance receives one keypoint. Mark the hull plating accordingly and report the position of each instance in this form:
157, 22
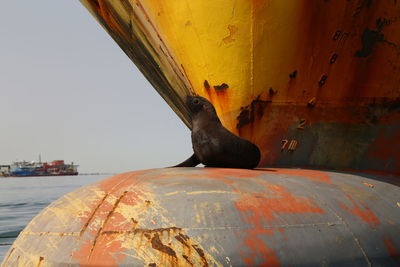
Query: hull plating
218, 217
312, 84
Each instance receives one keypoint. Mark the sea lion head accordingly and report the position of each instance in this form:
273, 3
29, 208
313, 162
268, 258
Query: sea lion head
197, 104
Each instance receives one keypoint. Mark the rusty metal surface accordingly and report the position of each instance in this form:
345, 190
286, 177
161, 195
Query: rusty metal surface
219, 217
312, 83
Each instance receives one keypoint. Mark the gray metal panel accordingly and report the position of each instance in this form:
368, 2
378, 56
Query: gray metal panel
219, 217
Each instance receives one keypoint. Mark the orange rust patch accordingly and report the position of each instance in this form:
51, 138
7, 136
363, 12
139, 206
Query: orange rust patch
157, 244
317, 176
82, 253
87, 216
118, 222
361, 211
96, 248
183, 239
264, 207
256, 245
114, 181
391, 248
200, 252
110, 187
108, 251
223, 175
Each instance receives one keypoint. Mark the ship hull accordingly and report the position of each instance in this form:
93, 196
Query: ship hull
313, 85
54, 168
38, 174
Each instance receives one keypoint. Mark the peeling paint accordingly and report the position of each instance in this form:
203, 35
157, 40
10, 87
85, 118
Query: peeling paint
221, 87
232, 31
249, 113
369, 40
249, 45
361, 211
392, 249
259, 208
251, 217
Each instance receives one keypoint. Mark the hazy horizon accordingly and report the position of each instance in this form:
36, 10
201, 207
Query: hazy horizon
69, 92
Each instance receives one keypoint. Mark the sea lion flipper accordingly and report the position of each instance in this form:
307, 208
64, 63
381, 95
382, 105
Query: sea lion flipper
193, 161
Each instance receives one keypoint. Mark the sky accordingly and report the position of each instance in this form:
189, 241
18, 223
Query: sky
67, 91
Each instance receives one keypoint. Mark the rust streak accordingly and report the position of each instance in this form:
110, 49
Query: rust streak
201, 254
135, 223
105, 222
139, 231
250, 112
9, 254
41, 259
85, 226
206, 85
175, 229
187, 259
158, 245
183, 239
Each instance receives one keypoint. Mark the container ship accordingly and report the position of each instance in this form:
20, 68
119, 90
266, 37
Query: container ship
54, 168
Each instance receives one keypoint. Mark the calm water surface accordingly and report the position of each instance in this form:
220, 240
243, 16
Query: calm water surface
22, 198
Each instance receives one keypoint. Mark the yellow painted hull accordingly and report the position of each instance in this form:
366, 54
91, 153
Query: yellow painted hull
312, 83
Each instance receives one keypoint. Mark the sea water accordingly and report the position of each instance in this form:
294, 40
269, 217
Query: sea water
21, 198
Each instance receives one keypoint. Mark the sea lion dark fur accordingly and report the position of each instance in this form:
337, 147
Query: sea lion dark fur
214, 145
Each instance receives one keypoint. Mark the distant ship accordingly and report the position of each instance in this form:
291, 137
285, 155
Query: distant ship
54, 168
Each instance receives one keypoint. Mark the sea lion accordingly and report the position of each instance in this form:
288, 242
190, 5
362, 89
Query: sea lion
213, 144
